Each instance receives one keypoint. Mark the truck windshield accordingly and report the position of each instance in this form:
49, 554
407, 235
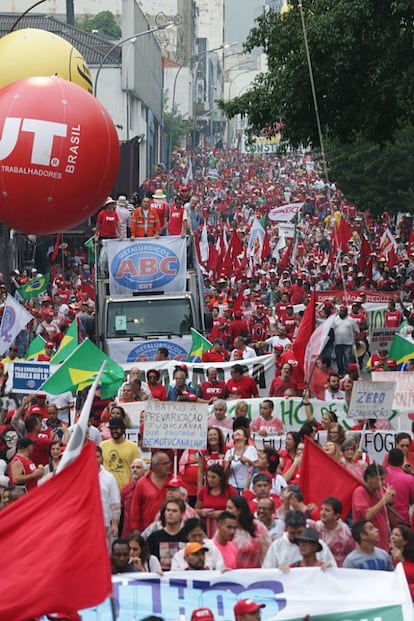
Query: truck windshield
146, 318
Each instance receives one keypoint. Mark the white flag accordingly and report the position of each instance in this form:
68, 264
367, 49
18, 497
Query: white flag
284, 213
189, 175
204, 244
15, 318
256, 240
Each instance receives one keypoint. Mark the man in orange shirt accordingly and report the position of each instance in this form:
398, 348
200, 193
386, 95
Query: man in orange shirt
145, 221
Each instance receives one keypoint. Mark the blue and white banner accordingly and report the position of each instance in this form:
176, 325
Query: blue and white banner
15, 318
147, 264
29, 376
334, 595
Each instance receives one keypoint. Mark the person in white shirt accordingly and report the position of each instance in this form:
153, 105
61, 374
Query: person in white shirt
111, 499
284, 551
195, 531
332, 392
248, 352
124, 215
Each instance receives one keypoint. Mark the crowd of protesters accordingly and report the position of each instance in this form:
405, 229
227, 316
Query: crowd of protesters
232, 506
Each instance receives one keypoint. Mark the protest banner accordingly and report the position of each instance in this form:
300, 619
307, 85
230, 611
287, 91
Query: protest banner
371, 400
290, 410
175, 424
350, 296
260, 144
261, 368
323, 595
381, 338
284, 213
146, 265
404, 393
27, 377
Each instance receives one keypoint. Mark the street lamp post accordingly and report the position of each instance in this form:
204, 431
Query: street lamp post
120, 43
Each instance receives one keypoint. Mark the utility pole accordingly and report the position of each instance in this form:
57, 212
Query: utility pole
70, 13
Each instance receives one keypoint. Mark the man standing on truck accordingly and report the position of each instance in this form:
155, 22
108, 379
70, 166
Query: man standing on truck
107, 222
145, 221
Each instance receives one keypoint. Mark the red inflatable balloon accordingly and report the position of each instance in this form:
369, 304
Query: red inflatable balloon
59, 155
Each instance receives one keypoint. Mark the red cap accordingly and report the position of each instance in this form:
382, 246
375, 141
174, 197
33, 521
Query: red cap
202, 614
391, 362
35, 409
245, 606
278, 348
176, 482
353, 367
49, 344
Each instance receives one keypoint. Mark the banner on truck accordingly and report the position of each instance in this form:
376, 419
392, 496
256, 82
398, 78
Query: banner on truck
147, 264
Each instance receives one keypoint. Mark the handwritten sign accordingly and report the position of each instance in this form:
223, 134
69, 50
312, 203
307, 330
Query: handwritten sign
371, 400
175, 424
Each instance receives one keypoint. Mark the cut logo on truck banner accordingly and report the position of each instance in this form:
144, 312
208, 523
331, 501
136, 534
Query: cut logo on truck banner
147, 265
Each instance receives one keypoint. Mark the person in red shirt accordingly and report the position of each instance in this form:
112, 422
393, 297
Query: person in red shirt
219, 324
107, 222
150, 492
48, 353
215, 353
282, 383
23, 472
237, 327
290, 321
157, 390
393, 317
177, 224
259, 325
213, 388
297, 291
281, 307
161, 207
377, 360
297, 375
241, 386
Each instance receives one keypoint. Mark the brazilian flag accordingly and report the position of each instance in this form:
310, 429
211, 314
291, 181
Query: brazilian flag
198, 346
36, 347
80, 369
68, 344
35, 286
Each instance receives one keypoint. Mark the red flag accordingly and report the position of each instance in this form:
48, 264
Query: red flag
241, 270
335, 479
213, 256
197, 246
87, 287
306, 328
284, 261
364, 254
344, 234
265, 247
238, 302
56, 248
231, 261
54, 545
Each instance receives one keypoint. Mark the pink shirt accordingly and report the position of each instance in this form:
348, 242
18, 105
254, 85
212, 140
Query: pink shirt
228, 552
403, 483
274, 425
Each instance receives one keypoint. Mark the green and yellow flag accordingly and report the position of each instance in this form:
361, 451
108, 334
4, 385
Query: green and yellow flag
35, 286
36, 347
198, 346
80, 369
402, 349
68, 344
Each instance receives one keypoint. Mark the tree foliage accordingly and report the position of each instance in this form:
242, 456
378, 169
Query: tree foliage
175, 126
104, 22
373, 176
362, 55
